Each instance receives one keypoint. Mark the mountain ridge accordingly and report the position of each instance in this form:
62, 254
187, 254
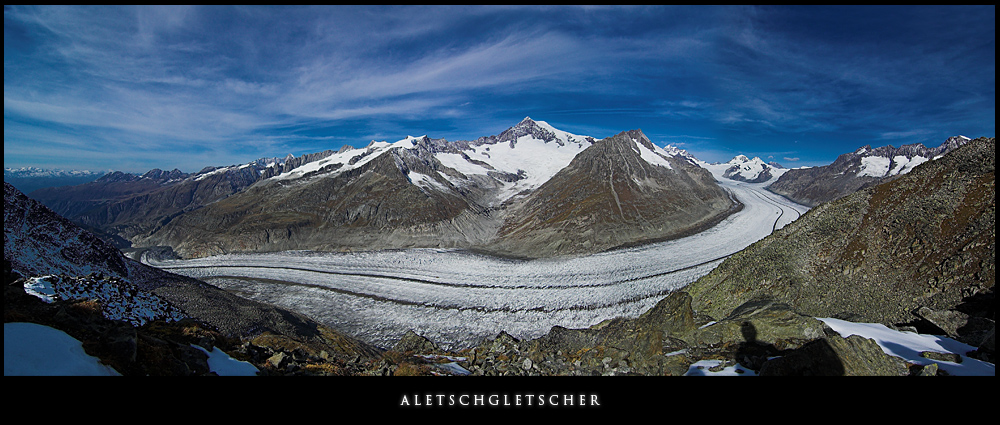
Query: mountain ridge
856, 170
424, 192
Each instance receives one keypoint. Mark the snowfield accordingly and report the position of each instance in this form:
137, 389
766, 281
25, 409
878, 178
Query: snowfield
30, 349
457, 298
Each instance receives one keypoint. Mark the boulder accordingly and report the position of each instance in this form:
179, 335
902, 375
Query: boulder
834, 355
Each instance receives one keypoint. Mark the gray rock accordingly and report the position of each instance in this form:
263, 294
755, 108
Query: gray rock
929, 370
945, 357
279, 360
411, 342
948, 321
836, 356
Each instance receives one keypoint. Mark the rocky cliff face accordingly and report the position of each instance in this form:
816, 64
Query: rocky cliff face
856, 170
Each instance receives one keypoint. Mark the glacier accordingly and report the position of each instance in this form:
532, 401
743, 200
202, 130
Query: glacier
457, 298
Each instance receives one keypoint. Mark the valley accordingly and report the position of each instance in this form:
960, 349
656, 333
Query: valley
457, 297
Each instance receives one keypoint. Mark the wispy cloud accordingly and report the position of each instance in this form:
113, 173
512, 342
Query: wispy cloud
238, 81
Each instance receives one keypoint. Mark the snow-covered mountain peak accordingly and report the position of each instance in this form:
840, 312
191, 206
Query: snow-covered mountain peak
739, 159
745, 169
43, 172
536, 130
521, 157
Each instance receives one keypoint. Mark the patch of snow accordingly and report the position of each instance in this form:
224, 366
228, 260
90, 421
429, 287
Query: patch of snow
30, 349
454, 368
652, 157
223, 365
702, 368
538, 159
874, 166
426, 182
905, 165
719, 170
909, 345
40, 288
563, 135
460, 164
212, 173
374, 150
119, 300
749, 169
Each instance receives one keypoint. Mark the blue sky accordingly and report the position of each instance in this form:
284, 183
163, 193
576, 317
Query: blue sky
136, 88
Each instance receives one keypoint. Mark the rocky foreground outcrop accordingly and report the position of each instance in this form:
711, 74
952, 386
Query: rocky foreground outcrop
765, 336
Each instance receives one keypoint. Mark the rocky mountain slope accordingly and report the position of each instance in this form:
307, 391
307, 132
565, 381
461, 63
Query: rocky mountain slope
96, 293
381, 195
856, 170
893, 253
486, 194
125, 206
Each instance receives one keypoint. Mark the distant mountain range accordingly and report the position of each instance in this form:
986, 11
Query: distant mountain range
856, 170
495, 193
29, 179
530, 191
